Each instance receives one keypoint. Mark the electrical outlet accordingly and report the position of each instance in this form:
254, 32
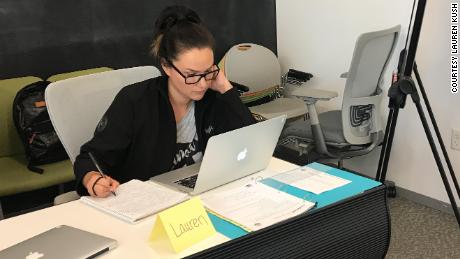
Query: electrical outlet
455, 139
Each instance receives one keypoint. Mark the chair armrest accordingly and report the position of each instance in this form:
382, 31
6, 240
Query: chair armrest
315, 94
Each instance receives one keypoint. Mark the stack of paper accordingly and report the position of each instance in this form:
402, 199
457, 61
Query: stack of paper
311, 180
136, 200
255, 206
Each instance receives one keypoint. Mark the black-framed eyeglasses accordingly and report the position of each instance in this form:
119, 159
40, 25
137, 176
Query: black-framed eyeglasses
195, 78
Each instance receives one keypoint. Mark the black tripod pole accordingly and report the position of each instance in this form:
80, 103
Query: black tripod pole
434, 150
386, 145
398, 93
397, 101
436, 129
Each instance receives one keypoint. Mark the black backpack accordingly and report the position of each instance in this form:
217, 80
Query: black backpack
30, 116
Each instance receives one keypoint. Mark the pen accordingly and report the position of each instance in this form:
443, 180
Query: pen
99, 169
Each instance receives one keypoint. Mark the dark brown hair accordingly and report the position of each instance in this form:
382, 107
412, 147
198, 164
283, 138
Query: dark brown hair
177, 29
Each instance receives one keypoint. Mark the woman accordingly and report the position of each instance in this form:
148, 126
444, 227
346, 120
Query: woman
163, 123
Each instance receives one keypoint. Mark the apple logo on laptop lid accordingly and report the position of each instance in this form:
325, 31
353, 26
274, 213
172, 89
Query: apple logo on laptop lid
34, 255
242, 154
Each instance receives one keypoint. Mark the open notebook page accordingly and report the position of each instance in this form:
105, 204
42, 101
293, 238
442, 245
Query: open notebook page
136, 200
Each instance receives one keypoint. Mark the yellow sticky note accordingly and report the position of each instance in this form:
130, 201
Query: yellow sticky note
183, 225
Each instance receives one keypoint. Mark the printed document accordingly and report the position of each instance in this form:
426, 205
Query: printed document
255, 206
311, 180
136, 200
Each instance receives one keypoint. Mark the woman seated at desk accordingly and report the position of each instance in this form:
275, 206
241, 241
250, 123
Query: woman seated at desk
163, 123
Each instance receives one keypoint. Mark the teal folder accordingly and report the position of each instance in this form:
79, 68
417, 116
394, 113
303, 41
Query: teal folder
226, 228
357, 185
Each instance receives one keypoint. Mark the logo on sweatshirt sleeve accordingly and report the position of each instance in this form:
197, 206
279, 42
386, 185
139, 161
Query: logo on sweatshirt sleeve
209, 130
102, 124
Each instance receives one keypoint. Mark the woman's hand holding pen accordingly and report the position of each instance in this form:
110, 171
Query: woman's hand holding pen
99, 187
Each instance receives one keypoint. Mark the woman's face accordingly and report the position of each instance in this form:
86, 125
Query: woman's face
190, 62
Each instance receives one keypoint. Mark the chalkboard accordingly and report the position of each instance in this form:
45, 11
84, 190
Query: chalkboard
45, 37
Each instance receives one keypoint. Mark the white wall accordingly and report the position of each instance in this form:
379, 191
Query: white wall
319, 36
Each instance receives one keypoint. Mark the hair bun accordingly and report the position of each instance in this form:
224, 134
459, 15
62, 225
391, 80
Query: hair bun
168, 22
193, 17
179, 28
173, 15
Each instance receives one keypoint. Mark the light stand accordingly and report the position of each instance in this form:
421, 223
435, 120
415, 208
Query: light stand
397, 93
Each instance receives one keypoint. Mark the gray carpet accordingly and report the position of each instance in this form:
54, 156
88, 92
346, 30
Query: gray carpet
418, 231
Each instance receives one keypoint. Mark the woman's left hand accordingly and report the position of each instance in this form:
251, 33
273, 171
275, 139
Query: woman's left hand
221, 83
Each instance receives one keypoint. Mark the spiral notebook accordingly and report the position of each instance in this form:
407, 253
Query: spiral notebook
136, 200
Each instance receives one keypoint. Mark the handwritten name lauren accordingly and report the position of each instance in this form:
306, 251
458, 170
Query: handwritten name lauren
189, 225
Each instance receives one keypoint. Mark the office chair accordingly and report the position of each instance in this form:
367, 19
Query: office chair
356, 129
77, 104
258, 68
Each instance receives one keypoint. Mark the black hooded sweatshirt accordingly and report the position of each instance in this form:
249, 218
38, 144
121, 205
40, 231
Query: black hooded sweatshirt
136, 137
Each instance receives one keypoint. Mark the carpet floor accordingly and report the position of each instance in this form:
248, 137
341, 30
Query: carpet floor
418, 231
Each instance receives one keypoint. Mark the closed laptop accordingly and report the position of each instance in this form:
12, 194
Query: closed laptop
60, 242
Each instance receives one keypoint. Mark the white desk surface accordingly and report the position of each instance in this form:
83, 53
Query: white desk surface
132, 238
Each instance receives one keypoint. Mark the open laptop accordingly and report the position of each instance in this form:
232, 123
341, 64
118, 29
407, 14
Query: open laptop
60, 242
229, 156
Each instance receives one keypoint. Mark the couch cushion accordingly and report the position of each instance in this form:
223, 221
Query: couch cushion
16, 178
14, 175
10, 144
63, 76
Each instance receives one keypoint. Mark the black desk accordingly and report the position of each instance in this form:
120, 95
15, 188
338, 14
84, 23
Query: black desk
356, 227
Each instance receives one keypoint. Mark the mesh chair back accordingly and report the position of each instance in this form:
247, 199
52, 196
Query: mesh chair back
363, 95
77, 104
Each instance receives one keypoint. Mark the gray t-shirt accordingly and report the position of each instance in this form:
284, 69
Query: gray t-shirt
187, 152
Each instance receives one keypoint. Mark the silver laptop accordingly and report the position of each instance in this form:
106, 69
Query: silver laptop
229, 156
60, 242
